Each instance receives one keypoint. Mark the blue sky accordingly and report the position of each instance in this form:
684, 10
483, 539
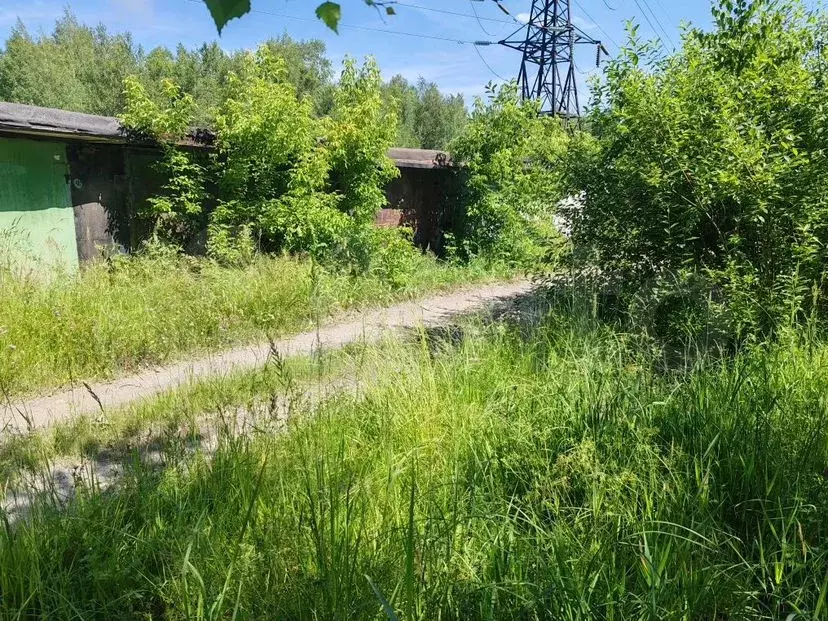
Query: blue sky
454, 66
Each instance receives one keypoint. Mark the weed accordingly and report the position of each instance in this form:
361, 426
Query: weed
130, 312
552, 472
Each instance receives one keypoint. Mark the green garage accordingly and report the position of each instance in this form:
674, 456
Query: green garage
36, 214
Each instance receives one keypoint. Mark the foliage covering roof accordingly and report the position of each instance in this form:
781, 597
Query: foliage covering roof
39, 121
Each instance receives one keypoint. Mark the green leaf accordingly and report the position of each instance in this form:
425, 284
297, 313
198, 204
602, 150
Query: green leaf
389, 10
225, 10
330, 13
386, 606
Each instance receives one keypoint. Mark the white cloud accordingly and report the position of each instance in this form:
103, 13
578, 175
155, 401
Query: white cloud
584, 24
142, 9
523, 17
133, 5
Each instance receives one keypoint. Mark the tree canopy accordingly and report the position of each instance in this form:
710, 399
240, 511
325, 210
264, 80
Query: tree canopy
82, 68
428, 118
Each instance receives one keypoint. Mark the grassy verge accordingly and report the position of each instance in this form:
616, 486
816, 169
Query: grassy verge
184, 412
146, 310
549, 474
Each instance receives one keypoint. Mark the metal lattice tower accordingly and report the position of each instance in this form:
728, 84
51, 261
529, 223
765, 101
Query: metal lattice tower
547, 70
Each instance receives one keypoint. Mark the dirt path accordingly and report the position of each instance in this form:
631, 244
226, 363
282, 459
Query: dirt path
367, 326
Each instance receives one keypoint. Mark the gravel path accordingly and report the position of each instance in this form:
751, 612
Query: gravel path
367, 326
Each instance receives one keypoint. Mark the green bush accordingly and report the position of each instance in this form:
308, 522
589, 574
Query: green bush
395, 259
231, 245
705, 177
176, 214
286, 179
509, 178
357, 137
270, 164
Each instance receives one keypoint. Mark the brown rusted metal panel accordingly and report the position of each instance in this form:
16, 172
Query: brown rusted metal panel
390, 218
418, 198
27, 120
96, 182
419, 158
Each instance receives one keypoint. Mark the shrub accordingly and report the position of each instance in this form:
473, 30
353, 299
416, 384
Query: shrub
509, 177
358, 135
303, 184
707, 173
268, 153
231, 245
395, 258
287, 180
176, 213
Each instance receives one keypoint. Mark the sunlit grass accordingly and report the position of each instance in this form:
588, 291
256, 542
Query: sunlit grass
118, 317
551, 473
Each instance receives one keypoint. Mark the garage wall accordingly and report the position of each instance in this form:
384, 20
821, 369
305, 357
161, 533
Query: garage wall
98, 191
36, 215
65, 201
418, 199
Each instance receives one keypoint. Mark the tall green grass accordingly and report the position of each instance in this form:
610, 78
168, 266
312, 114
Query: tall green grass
553, 473
118, 316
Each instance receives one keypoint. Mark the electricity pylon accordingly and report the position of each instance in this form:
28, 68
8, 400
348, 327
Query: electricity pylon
547, 70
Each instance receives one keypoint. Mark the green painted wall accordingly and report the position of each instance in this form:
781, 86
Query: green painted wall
36, 215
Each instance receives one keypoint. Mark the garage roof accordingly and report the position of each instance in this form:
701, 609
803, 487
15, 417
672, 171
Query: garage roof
50, 122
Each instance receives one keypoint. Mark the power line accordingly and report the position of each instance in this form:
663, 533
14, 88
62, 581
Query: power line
666, 14
646, 17
505, 10
480, 23
644, 13
660, 25
664, 9
458, 14
513, 19
597, 23
488, 66
367, 28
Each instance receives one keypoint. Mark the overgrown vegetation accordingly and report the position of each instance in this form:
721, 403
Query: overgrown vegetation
509, 179
704, 174
280, 180
653, 445
287, 181
554, 473
82, 68
304, 184
178, 212
137, 311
